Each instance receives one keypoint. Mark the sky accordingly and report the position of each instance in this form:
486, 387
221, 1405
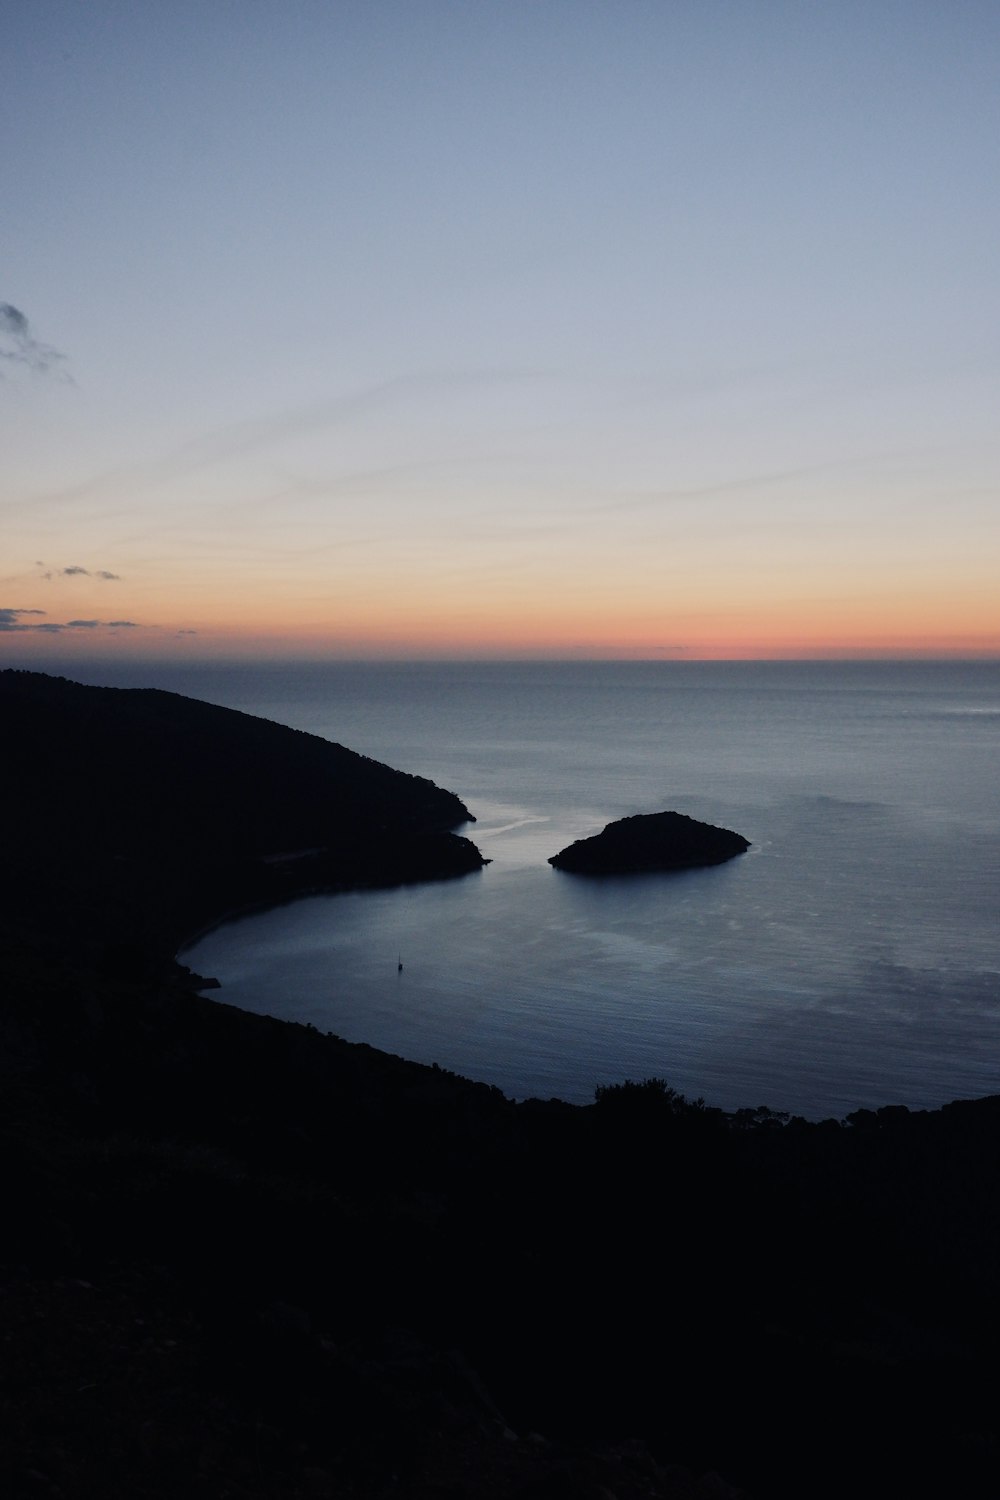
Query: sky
499, 328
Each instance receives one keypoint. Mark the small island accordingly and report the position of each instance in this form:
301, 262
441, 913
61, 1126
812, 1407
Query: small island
650, 842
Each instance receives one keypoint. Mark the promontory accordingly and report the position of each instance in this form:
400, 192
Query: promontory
136, 814
649, 842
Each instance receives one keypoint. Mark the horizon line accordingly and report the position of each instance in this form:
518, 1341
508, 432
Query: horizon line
311, 659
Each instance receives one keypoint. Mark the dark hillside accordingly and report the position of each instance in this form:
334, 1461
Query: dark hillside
242, 1259
140, 814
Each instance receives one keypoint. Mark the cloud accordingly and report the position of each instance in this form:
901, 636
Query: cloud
723, 487
101, 625
75, 571
13, 322
257, 434
18, 344
10, 620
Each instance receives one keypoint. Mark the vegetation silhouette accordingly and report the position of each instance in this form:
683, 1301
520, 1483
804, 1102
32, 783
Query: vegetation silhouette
244, 1257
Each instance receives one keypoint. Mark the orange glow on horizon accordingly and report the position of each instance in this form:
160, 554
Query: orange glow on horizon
754, 615
477, 641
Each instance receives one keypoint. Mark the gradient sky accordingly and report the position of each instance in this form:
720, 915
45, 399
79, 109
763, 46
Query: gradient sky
499, 327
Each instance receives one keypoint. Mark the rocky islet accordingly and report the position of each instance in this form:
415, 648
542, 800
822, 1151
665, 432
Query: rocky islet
650, 842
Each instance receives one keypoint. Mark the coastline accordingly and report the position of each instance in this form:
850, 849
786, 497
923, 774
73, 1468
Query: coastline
246, 1256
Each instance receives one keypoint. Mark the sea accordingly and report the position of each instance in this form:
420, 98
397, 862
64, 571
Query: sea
850, 959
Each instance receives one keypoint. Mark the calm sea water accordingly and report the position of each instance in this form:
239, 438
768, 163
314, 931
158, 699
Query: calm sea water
851, 958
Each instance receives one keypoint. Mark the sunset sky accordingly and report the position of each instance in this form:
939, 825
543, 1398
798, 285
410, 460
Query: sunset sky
657, 328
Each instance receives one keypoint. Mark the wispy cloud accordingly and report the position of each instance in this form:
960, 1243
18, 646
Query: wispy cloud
75, 571
13, 620
10, 619
722, 487
19, 346
239, 439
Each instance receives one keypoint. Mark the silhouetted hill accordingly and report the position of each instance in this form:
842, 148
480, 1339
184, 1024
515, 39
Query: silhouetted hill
241, 1258
139, 814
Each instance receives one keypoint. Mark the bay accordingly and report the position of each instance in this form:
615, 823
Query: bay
851, 958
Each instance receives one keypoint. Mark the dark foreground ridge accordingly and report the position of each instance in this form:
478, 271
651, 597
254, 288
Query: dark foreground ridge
243, 1259
649, 842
